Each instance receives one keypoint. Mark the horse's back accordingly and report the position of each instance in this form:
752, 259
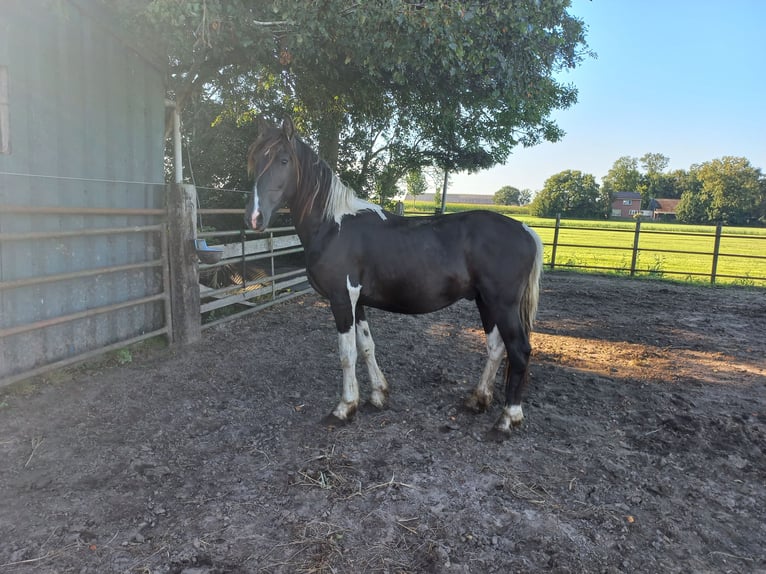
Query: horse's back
420, 264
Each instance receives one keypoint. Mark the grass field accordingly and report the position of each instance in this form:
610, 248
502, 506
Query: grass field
607, 246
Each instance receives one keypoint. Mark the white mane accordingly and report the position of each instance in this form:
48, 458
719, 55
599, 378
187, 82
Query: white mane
341, 200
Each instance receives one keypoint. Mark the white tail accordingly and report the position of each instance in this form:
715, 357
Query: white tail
532, 292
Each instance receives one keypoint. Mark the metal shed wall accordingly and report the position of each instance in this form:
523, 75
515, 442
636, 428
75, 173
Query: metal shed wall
86, 114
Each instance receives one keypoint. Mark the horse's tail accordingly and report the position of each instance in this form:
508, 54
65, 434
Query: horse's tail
531, 294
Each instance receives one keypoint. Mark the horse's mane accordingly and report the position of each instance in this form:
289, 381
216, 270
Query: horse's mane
317, 183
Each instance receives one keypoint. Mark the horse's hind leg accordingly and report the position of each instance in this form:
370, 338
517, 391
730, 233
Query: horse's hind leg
516, 374
366, 346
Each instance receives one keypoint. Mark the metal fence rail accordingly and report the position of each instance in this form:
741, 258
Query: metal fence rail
276, 285
24, 331
715, 254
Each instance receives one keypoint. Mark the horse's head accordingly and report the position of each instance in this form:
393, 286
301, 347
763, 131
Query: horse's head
272, 161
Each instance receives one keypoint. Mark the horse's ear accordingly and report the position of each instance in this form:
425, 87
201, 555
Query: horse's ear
288, 128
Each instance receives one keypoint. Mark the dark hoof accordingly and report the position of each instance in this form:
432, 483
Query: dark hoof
370, 407
497, 435
332, 421
475, 406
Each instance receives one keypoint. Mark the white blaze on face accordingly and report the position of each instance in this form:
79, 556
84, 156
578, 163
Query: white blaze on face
256, 210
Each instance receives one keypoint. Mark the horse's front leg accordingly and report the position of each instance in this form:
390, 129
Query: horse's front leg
366, 346
343, 306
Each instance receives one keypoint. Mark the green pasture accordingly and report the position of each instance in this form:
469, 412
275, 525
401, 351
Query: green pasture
428, 207
607, 246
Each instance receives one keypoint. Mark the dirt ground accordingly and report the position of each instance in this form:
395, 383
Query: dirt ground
642, 450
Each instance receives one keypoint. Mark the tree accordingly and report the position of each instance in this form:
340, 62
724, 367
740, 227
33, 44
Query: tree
525, 196
654, 163
678, 182
730, 191
690, 209
507, 195
654, 182
416, 183
377, 85
569, 193
623, 175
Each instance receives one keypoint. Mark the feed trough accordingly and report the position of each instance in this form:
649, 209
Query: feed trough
206, 253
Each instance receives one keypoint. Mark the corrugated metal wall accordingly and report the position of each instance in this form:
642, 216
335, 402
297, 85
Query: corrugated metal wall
86, 116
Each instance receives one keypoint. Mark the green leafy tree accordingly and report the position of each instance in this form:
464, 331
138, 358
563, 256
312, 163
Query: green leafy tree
654, 163
731, 191
690, 209
653, 182
377, 86
525, 196
678, 182
416, 183
507, 195
569, 193
623, 176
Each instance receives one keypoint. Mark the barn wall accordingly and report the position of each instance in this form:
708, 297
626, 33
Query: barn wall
86, 116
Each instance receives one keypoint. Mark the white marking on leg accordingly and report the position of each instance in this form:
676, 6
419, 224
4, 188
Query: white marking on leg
366, 346
347, 348
511, 416
516, 414
350, 396
482, 394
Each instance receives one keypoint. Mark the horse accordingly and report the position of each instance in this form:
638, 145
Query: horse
359, 255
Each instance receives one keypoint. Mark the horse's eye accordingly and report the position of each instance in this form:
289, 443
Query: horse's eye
284, 161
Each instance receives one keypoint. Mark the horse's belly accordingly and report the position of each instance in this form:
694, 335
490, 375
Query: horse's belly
415, 297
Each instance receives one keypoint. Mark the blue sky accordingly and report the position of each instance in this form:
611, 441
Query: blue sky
679, 77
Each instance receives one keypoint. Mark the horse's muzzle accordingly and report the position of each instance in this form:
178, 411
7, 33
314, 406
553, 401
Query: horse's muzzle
257, 222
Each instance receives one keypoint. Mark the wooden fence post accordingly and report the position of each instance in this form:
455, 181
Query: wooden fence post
634, 259
184, 267
555, 241
716, 250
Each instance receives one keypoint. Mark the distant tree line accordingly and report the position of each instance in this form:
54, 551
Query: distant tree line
728, 190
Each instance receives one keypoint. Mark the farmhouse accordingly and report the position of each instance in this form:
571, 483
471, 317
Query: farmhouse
626, 204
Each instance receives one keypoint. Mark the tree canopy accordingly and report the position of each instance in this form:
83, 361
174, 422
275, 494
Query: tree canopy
507, 195
379, 87
569, 193
729, 190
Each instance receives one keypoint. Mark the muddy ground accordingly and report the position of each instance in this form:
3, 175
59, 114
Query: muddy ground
642, 450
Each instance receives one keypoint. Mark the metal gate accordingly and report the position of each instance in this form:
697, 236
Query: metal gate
76, 281
255, 271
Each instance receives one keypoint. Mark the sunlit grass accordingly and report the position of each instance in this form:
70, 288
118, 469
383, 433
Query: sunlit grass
607, 246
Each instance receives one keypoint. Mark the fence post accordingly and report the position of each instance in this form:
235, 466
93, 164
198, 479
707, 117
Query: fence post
634, 259
184, 267
555, 241
243, 263
716, 249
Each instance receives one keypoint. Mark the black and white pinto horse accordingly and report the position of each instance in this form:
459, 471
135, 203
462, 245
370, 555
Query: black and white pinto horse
358, 255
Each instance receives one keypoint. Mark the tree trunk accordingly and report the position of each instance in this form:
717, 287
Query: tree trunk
444, 190
329, 141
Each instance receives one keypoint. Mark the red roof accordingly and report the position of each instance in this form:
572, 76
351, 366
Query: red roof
666, 205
